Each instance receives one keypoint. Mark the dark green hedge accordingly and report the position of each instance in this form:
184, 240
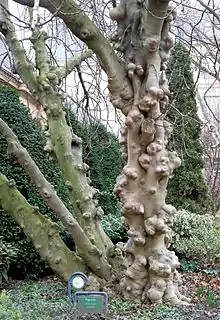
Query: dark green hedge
187, 189
30, 136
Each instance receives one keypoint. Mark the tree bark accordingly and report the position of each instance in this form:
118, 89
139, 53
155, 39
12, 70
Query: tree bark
42, 232
143, 34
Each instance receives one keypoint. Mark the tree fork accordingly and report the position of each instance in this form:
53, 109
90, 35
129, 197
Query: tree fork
87, 31
144, 39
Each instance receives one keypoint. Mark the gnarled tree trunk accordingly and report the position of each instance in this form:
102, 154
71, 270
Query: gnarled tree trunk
144, 41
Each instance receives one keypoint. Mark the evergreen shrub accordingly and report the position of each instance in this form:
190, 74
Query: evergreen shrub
187, 189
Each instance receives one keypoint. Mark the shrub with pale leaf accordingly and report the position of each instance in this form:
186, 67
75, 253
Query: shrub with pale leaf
196, 236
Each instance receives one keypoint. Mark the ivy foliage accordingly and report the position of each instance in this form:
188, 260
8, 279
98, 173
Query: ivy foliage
47, 300
8, 253
187, 189
19, 120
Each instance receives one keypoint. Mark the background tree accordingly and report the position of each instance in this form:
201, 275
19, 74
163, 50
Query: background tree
210, 140
187, 189
197, 27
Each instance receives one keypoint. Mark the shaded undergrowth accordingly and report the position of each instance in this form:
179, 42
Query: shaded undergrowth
48, 300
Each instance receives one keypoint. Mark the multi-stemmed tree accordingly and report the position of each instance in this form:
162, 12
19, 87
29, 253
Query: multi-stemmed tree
138, 87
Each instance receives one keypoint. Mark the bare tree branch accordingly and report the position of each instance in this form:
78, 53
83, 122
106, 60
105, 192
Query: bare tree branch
208, 8
21, 64
64, 71
35, 14
80, 25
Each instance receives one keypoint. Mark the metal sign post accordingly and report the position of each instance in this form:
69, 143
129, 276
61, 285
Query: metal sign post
91, 302
85, 301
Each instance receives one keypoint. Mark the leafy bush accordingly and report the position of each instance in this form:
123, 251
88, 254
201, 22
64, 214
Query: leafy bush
189, 265
114, 228
196, 236
8, 253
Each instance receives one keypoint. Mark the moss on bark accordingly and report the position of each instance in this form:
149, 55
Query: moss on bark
91, 255
101, 151
18, 118
43, 233
66, 146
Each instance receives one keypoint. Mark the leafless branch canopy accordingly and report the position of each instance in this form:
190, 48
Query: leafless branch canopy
197, 26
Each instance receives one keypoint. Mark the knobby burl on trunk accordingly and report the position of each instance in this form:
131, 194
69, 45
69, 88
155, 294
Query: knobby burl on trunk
143, 42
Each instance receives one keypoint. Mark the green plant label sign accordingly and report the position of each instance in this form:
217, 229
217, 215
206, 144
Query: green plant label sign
91, 302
